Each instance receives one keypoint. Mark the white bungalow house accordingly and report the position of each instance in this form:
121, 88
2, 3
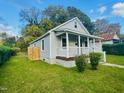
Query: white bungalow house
62, 43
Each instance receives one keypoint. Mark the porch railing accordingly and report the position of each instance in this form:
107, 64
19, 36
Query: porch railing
73, 51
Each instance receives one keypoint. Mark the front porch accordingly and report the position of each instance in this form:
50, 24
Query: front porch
73, 44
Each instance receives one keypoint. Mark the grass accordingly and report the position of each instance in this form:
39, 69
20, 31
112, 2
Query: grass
19, 75
115, 59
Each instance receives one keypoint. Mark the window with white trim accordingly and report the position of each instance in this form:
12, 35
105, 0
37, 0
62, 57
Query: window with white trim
42, 44
75, 25
63, 42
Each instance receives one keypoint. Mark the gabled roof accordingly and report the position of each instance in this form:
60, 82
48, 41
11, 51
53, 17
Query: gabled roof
108, 36
70, 25
55, 29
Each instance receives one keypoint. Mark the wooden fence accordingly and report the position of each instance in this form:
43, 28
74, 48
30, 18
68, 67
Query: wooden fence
34, 53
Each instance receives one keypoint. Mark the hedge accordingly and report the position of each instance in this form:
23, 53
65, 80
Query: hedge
114, 49
5, 53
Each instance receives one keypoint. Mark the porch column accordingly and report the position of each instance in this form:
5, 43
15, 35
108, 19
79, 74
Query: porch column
79, 44
67, 45
88, 44
94, 44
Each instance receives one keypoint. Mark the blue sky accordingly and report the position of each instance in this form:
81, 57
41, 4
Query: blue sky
112, 10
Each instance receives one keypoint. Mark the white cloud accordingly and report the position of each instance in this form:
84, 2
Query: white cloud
8, 29
118, 9
101, 17
102, 9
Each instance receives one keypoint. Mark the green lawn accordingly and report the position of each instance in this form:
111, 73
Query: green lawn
19, 75
114, 59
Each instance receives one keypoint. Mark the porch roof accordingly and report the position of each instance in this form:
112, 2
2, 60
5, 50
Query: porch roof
60, 32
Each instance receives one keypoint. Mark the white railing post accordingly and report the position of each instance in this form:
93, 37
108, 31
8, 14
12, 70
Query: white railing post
67, 45
88, 44
79, 45
100, 43
94, 44
104, 56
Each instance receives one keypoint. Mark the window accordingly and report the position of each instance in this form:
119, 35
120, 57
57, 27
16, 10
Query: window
75, 25
63, 42
42, 44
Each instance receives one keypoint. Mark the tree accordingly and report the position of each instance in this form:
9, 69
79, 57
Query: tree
46, 24
10, 41
114, 27
3, 35
56, 14
31, 16
103, 26
21, 43
74, 12
32, 30
30, 33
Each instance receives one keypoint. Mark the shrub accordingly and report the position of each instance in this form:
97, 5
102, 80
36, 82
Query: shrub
80, 62
5, 53
94, 59
114, 49
15, 50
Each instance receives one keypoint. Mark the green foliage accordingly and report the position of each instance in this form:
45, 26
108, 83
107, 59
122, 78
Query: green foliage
74, 12
115, 59
9, 41
3, 35
114, 49
94, 59
46, 24
21, 44
80, 62
16, 49
29, 33
32, 30
20, 75
5, 53
58, 15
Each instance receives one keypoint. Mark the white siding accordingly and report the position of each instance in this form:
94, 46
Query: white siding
71, 26
45, 54
54, 44
36, 44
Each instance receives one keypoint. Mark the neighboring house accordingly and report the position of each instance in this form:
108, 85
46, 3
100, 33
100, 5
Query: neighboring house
110, 38
121, 38
62, 43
